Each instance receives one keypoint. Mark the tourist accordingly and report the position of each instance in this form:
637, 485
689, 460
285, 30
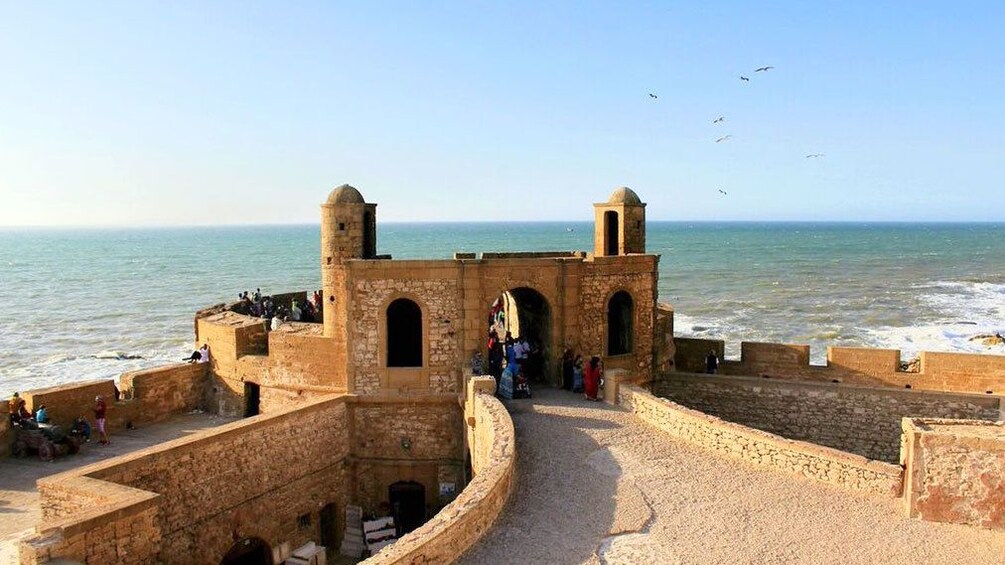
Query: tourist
567, 371
195, 356
477, 364
99, 418
81, 428
495, 354
591, 379
511, 355
276, 322
203, 354
522, 351
258, 295
12, 407
41, 415
577, 374
711, 363
295, 311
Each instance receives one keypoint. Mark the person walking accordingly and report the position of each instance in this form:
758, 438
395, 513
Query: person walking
99, 418
591, 378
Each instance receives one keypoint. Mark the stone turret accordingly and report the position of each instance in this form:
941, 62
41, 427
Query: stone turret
348, 231
619, 224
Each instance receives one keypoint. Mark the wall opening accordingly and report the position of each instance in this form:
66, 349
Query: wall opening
328, 523
408, 505
248, 551
369, 236
404, 334
252, 399
611, 233
524, 312
620, 314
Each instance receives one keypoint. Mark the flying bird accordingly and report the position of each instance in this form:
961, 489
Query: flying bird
653, 96
815, 155
744, 78
762, 69
719, 120
724, 138
723, 192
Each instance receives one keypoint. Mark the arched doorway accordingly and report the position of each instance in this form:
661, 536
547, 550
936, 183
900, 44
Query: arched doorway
525, 313
408, 505
248, 551
404, 334
612, 231
620, 314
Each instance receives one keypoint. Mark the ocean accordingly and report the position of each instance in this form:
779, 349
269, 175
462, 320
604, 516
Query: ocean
83, 304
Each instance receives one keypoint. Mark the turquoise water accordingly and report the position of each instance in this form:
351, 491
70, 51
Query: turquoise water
73, 300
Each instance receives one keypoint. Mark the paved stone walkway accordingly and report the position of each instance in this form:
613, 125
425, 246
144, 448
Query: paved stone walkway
596, 485
19, 510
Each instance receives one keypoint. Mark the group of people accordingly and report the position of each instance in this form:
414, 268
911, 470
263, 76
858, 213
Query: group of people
579, 377
275, 314
21, 417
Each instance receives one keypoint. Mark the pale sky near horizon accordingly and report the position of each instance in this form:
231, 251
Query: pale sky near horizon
193, 113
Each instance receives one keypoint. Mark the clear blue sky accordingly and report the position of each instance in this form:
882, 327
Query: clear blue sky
140, 113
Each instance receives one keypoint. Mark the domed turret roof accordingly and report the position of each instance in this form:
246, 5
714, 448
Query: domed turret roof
624, 195
346, 194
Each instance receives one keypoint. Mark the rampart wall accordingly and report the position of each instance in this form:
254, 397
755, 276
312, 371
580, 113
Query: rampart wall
950, 372
762, 448
955, 471
856, 419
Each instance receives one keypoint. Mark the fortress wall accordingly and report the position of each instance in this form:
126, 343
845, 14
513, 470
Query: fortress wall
231, 336
663, 338
948, 372
861, 420
6, 437
465, 520
299, 354
955, 471
164, 391
435, 287
602, 278
251, 478
762, 448
65, 402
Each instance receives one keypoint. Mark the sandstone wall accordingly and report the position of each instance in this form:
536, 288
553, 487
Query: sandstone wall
950, 372
465, 520
251, 478
6, 437
861, 420
762, 448
955, 471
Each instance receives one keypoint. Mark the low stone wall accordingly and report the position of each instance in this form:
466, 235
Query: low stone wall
949, 372
762, 448
955, 471
150, 395
251, 478
6, 436
465, 520
861, 420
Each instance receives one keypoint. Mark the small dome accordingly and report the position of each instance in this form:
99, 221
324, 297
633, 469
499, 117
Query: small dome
346, 194
624, 195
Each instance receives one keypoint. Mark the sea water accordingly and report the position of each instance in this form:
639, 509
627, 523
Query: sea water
93, 303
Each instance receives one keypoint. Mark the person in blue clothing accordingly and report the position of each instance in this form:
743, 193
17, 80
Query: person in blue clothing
42, 415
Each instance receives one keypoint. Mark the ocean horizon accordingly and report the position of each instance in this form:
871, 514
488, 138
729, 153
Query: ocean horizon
80, 301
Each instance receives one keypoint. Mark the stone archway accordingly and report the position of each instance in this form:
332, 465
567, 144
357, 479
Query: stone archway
248, 551
525, 312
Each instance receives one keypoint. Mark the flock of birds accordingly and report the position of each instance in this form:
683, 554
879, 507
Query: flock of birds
722, 119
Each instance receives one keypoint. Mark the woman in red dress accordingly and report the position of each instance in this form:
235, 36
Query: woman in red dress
591, 378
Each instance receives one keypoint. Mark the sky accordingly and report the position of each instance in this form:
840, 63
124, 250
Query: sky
198, 113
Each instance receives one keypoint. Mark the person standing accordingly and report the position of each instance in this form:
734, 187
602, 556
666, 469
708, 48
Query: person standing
99, 418
591, 378
711, 363
567, 369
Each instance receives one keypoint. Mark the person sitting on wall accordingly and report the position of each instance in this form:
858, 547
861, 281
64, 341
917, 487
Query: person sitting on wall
195, 356
42, 415
12, 407
711, 363
204, 353
81, 428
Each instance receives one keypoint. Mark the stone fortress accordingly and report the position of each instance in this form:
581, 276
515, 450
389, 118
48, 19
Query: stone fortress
376, 407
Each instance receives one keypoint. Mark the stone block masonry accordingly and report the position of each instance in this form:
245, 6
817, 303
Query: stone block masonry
955, 471
762, 448
857, 419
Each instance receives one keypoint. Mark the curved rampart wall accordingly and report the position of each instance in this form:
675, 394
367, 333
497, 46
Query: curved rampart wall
762, 448
464, 521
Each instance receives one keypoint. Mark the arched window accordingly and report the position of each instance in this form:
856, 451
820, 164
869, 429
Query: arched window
611, 239
619, 324
404, 334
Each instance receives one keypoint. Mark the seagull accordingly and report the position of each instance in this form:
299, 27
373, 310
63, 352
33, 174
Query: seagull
815, 155
744, 78
719, 120
723, 192
724, 138
762, 69
653, 96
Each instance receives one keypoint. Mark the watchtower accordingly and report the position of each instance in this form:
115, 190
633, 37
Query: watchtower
619, 224
348, 231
